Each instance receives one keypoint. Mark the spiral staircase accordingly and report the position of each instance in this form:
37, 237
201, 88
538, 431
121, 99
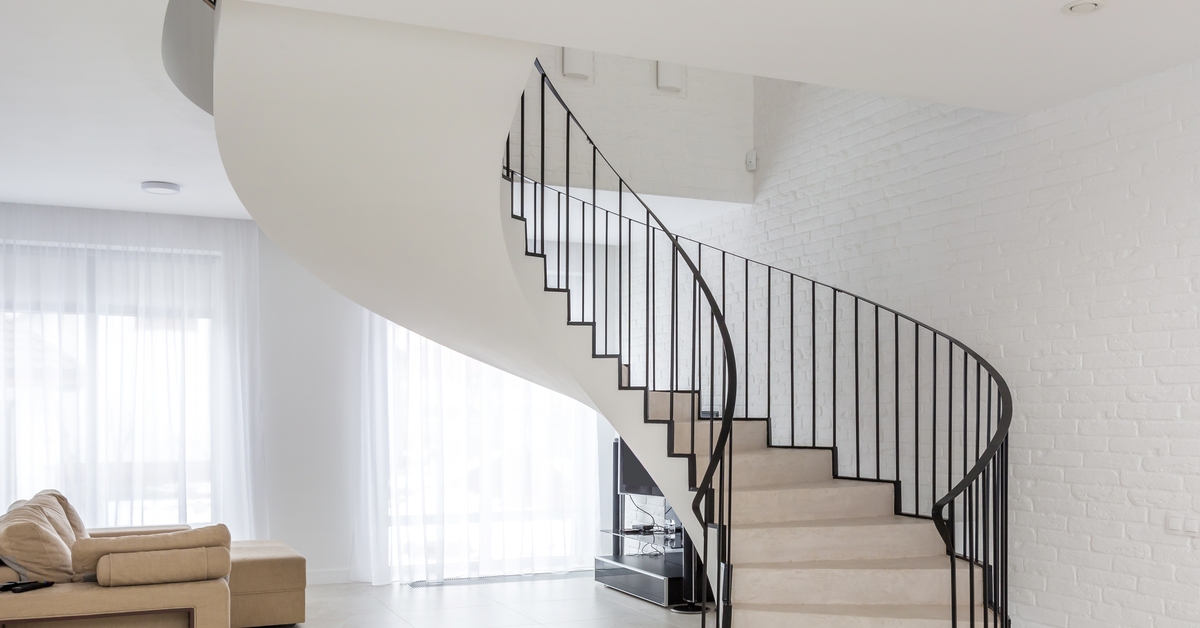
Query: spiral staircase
844, 464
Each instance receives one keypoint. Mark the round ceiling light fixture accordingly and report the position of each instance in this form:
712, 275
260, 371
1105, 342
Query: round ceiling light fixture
160, 187
1083, 8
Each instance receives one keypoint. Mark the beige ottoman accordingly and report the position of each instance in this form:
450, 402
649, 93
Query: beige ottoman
266, 584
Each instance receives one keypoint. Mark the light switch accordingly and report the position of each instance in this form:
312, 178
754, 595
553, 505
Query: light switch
1175, 523
1191, 526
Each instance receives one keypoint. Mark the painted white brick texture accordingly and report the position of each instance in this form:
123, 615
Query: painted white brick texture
1064, 246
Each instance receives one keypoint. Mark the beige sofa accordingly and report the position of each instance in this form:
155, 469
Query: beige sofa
141, 577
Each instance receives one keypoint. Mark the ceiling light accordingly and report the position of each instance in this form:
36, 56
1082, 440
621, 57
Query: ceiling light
1083, 8
160, 187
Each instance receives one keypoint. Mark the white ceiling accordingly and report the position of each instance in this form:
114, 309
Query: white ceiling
87, 112
1004, 55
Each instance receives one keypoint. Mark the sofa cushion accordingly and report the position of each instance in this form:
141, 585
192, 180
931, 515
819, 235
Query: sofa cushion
266, 584
162, 566
36, 538
79, 531
60, 514
136, 530
265, 566
86, 553
8, 574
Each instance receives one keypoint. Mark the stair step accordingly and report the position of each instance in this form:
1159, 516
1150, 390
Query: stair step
658, 406
772, 466
892, 536
923, 580
809, 501
776, 465
856, 616
748, 435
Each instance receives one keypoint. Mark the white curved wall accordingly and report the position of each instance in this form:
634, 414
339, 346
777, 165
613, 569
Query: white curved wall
370, 152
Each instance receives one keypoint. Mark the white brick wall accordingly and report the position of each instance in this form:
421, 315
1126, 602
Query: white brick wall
688, 145
1064, 246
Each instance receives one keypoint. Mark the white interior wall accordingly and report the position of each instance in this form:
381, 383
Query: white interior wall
311, 341
690, 144
1064, 246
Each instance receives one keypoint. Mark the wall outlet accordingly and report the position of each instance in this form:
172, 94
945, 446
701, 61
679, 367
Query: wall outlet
1183, 525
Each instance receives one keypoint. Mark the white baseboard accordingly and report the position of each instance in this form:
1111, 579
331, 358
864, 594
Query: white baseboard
328, 576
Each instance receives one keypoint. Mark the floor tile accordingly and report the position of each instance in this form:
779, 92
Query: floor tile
400, 598
536, 591
348, 609
341, 589
564, 603
612, 622
495, 616
571, 610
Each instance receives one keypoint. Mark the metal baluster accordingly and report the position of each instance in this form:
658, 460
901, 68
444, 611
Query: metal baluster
621, 285
512, 190
693, 387
674, 373
542, 163
523, 162
837, 471
916, 419
567, 193
953, 570
896, 397
650, 381
558, 275
933, 413
595, 319
857, 389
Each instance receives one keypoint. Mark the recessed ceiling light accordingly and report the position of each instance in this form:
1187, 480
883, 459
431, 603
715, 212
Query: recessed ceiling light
160, 187
1083, 8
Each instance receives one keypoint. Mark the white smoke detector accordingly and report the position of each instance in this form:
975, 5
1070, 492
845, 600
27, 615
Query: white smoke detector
160, 187
1083, 8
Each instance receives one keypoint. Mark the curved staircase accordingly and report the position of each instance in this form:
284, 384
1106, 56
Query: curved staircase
800, 538
845, 464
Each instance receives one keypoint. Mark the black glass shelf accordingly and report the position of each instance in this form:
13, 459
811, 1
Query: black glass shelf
657, 539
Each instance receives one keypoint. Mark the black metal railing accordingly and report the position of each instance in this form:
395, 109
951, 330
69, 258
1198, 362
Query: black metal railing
894, 399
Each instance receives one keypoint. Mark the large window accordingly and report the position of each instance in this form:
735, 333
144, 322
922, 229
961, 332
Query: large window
128, 365
467, 471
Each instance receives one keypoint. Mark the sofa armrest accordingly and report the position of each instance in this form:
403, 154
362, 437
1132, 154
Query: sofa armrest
163, 566
107, 533
86, 553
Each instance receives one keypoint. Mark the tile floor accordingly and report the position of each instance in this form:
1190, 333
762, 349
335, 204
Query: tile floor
567, 603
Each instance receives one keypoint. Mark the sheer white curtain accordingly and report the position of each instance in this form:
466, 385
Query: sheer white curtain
128, 364
467, 471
